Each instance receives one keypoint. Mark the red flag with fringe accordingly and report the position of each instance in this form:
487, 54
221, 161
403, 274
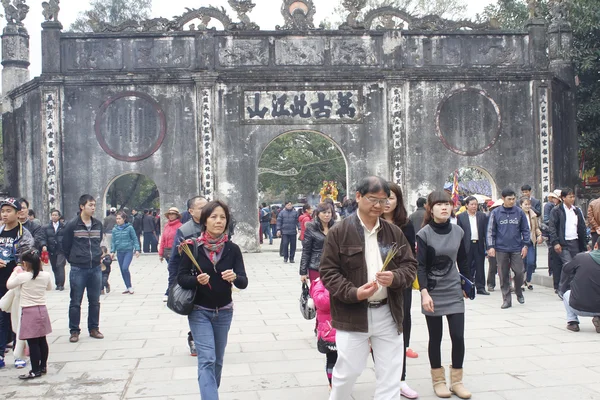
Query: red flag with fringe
455, 197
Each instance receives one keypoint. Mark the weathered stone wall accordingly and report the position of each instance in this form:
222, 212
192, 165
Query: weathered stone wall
195, 110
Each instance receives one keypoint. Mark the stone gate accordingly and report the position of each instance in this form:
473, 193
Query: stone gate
193, 108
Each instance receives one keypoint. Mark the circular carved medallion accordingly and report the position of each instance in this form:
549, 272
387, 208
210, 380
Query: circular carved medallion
130, 126
468, 122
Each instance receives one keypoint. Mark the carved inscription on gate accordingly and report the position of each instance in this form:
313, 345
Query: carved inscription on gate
303, 107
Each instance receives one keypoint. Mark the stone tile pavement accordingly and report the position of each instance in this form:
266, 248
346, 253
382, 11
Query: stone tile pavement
521, 353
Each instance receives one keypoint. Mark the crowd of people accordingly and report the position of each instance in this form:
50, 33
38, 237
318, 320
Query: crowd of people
361, 267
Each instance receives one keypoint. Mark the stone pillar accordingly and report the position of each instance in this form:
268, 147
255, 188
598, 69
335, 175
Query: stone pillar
51, 47
15, 57
538, 45
51, 150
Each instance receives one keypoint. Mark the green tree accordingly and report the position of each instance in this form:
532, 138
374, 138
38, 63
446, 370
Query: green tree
585, 20
133, 191
112, 12
450, 9
314, 157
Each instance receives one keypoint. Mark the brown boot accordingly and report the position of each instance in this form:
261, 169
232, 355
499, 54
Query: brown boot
95, 333
438, 378
456, 385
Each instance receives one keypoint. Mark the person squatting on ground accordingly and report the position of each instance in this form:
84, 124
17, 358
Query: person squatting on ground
222, 268
582, 291
440, 248
35, 321
81, 243
314, 238
53, 236
474, 225
14, 241
189, 230
507, 238
106, 258
568, 233
325, 331
395, 213
124, 243
366, 301
535, 239
168, 237
287, 229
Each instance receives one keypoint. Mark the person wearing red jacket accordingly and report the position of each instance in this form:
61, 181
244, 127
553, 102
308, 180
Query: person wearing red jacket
166, 241
325, 332
304, 218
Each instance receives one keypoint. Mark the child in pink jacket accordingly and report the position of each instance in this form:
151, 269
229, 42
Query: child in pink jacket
325, 332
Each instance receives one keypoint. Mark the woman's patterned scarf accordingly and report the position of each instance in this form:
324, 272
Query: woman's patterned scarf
214, 246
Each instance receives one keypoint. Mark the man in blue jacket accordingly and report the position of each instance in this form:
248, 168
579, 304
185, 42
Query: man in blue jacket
190, 230
287, 229
507, 238
81, 243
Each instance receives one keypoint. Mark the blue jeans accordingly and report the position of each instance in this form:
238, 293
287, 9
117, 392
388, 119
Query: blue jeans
266, 230
573, 313
80, 280
210, 330
530, 261
124, 258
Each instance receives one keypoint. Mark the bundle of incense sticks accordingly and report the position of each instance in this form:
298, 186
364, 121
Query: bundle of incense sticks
393, 251
186, 249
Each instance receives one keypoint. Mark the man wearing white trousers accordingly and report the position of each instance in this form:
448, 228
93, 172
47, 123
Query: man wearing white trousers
367, 299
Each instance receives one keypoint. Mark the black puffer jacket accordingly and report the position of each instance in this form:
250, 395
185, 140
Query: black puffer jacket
54, 239
312, 248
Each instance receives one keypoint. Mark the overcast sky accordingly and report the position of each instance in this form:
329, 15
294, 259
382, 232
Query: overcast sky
266, 14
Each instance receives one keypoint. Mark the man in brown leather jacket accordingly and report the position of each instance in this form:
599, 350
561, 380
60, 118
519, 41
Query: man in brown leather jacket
593, 217
366, 302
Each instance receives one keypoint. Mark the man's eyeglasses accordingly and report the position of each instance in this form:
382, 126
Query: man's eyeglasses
374, 201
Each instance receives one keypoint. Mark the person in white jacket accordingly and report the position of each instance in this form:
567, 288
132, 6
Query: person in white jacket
35, 321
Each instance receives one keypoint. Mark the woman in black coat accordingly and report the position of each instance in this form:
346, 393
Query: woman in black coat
395, 213
222, 268
314, 238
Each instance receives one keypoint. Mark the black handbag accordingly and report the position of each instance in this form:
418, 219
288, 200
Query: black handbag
307, 305
181, 300
467, 286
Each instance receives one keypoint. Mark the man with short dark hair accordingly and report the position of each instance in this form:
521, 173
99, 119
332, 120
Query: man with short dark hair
136, 221
507, 237
265, 222
567, 231
148, 229
367, 301
287, 229
33, 218
53, 235
33, 227
474, 225
582, 295
536, 205
81, 244
190, 230
419, 214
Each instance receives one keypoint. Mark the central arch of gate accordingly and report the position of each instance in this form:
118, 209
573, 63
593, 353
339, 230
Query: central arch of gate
193, 107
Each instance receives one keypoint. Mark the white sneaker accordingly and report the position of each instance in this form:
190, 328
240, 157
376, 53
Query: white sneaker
165, 298
130, 290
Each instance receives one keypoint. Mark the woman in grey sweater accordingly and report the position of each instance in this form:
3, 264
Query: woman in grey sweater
439, 249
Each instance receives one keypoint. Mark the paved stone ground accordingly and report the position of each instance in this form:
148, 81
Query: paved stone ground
521, 353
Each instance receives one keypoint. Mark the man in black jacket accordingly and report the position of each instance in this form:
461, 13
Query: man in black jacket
474, 224
53, 236
148, 228
136, 221
583, 297
419, 214
33, 227
567, 232
81, 244
287, 225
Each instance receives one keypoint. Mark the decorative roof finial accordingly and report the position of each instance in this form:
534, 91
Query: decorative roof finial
298, 15
242, 8
15, 13
354, 7
51, 9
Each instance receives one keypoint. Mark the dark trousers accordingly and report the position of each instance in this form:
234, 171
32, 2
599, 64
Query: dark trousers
38, 351
595, 237
566, 255
456, 325
288, 243
492, 271
406, 326
506, 262
58, 261
554, 266
105, 276
274, 230
476, 263
150, 245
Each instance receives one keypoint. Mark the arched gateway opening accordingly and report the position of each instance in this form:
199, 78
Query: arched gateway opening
473, 181
302, 166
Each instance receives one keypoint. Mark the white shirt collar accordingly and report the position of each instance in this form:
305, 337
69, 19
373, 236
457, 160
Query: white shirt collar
375, 228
